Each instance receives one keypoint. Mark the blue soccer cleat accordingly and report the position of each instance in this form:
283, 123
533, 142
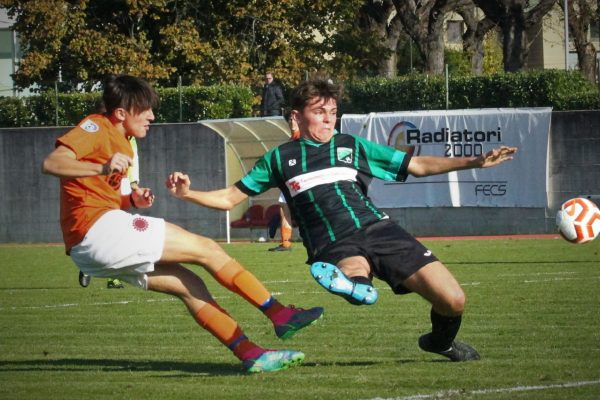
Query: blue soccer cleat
274, 360
335, 281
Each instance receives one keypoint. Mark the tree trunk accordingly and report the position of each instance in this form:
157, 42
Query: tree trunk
474, 36
581, 14
388, 67
423, 21
434, 56
515, 47
376, 17
586, 58
514, 19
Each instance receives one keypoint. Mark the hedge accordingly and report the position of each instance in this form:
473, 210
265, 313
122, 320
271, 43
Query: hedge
198, 103
559, 89
562, 90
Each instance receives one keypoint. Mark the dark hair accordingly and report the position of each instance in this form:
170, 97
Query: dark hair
128, 92
308, 90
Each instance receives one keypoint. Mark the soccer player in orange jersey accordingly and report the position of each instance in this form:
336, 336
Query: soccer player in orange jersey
285, 218
104, 240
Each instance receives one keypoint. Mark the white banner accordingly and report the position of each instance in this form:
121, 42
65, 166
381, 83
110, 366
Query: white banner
462, 133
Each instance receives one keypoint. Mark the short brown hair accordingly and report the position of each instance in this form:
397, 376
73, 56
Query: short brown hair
128, 92
308, 90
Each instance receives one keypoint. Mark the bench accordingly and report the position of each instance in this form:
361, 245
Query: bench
256, 217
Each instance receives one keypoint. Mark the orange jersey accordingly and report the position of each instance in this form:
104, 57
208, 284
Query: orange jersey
84, 200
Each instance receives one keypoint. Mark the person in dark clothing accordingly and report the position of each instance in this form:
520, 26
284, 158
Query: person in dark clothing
272, 97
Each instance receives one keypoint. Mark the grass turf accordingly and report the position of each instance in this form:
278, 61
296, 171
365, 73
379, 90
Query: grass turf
533, 313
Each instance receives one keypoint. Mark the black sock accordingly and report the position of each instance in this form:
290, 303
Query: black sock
443, 330
358, 279
361, 279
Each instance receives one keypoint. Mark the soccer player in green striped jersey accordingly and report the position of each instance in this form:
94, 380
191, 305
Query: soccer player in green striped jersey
324, 178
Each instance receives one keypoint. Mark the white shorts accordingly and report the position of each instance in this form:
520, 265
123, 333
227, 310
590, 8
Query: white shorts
121, 245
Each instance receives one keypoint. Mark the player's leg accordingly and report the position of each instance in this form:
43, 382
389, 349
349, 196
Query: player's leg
178, 281
182, 246
84, 279
437, 285
348, 278
285, 229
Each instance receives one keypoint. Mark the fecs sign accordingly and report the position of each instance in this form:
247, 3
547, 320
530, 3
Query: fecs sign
491, 189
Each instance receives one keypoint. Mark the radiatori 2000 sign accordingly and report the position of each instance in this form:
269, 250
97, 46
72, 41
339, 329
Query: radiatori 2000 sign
462, 133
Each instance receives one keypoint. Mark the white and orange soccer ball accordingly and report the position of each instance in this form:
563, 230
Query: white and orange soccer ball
578, 220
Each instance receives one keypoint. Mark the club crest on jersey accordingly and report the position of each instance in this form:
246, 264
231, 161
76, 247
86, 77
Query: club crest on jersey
89, 126
344, 154
292, 162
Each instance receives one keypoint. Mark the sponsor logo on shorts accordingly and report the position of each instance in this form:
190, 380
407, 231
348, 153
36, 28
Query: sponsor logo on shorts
427, 253
292, 162
140, 224
89, 126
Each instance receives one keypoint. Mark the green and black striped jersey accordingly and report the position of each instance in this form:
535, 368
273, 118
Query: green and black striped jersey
325, 184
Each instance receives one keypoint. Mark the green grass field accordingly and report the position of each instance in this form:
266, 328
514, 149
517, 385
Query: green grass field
533, 313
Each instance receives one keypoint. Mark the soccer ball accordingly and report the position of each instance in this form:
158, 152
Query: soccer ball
262, 239
578, 220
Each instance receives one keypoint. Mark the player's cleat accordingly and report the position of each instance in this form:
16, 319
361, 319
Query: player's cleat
280, 248
296, 319
84, 280
114, 283
274, 360
458, 351
335, 281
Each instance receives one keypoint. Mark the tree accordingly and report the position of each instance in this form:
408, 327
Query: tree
62, 40
514, 17
368, 43
380, 19
162, 40
475, 34
424, 22
581, 14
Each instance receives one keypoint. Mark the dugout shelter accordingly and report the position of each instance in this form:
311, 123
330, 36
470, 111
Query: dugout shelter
246, 140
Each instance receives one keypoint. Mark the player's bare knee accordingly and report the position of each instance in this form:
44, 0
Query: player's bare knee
210, 254
455, 302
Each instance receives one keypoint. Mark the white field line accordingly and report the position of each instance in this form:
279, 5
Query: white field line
105, 303
461, 392
123, 302
540, 273
383, 287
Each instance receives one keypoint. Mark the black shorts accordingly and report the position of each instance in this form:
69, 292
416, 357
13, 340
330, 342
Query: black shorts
392, 253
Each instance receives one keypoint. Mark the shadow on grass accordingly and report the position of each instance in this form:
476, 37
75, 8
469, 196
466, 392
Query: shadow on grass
115, 365
355, 363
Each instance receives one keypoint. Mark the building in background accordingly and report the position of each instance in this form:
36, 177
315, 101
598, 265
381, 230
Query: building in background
9, 54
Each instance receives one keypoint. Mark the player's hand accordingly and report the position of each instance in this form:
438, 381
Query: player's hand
142, 197
178, 184
497, 156
118, 163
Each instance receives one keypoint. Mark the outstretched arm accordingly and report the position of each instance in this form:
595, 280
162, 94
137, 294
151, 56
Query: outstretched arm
179, 183
430, 165
62, 162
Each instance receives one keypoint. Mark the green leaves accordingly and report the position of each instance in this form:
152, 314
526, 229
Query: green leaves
562, 90
205, 43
